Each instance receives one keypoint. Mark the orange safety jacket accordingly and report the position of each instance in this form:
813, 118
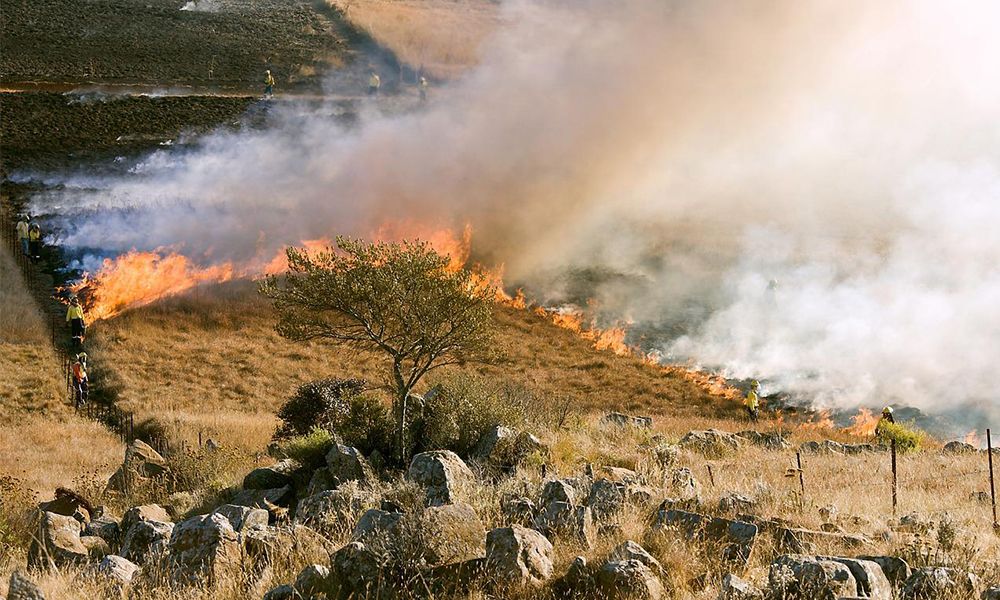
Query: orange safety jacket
79, 372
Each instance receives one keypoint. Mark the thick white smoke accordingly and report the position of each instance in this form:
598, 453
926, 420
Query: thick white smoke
672, 158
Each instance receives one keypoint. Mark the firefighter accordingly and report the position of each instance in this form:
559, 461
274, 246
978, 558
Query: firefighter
374, 83
22, 234
34, 241
423, 89
77, 326
752, 401
81, 384
886, 418
268, 84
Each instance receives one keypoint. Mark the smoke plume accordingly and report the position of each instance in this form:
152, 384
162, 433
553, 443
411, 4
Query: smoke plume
804, 192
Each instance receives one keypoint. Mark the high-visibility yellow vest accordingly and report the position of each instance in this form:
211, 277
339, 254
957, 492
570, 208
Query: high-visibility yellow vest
752, 401
374, 81
74, 312
34, 235
22, 230
269, 80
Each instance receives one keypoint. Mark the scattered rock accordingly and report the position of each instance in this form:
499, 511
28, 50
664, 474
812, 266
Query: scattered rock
711, 442
627, 580
96, 547
282, 592
180, 504
264, 544
277, 475
871, 581
447, 534
992, 593
622, 420
505, 448
378, 530
562, 519
22, 588
737, 536
346, 463
896, 570
734, 503
146, 540
312, 580
769, 440
141, 462
146, 512
958, 448
929, 583
518, 511
629, 550
321, 481
203, 547
268, 499
558, 490
666, 455
57, 542
808, 578
440, 473
333, 510
116, 570
242, 517
798, 540
106, 528
356, 572
517, 556
684, 489
734, 588
607, 498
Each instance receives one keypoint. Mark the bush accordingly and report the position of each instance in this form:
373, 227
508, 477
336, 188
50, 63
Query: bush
309, 449
460, 409
323, 403
906, 438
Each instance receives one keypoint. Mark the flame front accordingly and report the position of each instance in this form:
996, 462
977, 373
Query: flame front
863, 424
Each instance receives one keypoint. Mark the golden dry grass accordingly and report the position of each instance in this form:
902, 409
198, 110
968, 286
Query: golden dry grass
212, 362
42, 442
443, 37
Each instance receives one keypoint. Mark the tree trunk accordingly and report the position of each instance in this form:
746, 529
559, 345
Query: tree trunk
402, 396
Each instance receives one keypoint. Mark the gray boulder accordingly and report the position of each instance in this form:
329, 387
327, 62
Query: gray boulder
346, 463
808, 578
629, 550
607, 498
561, 519
146, 540
518, 511
667, 455
282, 592
378, 530
734, 503
116, 570
312, 580
268, 499
146, 512
930, 583
958, 448
57, 542
683, 489
446, 534
736, 537
333, 511
992, 593
896, 570
22, 588
872, 582
243, 517
440, 473
710, 442
769, 440
617, 419
627, 580
518, 557
204, 548
321, 481
96, 547
356, 572
506, 448
558, 490
106, 528
734, 588
275, 476
141, 463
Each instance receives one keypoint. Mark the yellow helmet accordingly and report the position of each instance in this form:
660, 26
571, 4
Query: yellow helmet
887, 410
755, 383
81, 356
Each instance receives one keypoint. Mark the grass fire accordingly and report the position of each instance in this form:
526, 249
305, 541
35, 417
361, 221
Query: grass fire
505, 299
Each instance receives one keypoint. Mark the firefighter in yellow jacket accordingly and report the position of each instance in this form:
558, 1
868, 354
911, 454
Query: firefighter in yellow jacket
34, 241
752, 401
22, 235
268, 84
374, 83
77, 325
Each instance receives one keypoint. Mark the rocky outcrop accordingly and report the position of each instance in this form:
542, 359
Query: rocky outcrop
275, 476
333, 511
56, 542
735, 588
710, 442
629, 550
312, 581
929, 583
357, 572
767, 440
518, 557
446, 534
204, 548
345, 463
116, 570
440, 473
105, 527
617, 419
807, 578
146, 512
146, 540
505, 448
737, 537
141, 463
242, 517
20, 587
627, 580
562, 519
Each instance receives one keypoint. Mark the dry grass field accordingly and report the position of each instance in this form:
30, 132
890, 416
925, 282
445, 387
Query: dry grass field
443, 37
212, 362
43, 443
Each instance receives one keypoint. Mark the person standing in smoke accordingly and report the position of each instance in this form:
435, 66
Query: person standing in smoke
268, 84
752, 401
74, 315
423, 89
35, 241
374, 83
22, 235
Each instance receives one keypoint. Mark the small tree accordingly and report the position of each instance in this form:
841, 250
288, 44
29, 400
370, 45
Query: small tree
399, 299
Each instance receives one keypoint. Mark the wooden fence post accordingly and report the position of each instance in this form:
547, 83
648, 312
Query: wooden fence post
993, 489
895, 480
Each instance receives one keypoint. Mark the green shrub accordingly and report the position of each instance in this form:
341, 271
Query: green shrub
322, 403
309, 449
367, 426
459, 409
906, 438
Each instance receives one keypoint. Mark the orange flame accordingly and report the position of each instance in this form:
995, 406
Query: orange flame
974, 439
818, 421
863, 424
139, 278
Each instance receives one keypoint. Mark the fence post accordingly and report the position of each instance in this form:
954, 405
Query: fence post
711, 476
993, 489
802, 481
895, 480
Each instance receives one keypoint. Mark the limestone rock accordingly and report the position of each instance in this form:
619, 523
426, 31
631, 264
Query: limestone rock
734, 588
929, 583
203, 547
517, 556
146, 512
629, 550
447, 534
346, 463
734, 503
141, 462
807, 577
710, 442
312, 580
768, 440
106, 528
22, 588
607, 498
622, 420
146, 540
243, 517
356, 572
116, 570
57, 542
282, 592
378, 530
558, 490
628, 580
518, 511
505, 448
562, 519
896, 570
737, 537
958, 448
333, 511
97, 548
280, 497
268, 478
440, 473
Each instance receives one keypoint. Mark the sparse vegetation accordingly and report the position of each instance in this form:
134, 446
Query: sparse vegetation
906, 438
